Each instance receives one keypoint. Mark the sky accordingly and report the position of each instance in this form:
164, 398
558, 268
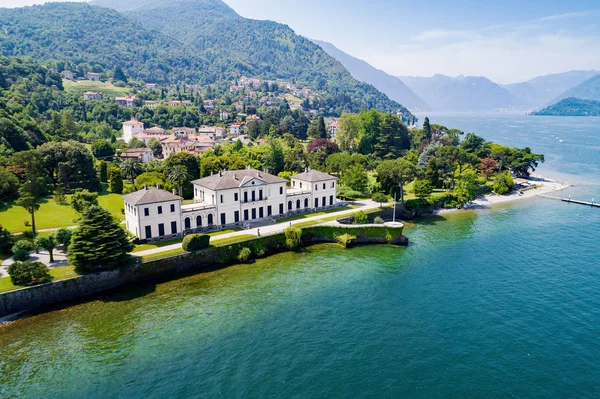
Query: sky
507, 41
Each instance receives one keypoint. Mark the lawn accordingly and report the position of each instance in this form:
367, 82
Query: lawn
232, 240
59, 273
108, 89
308, 215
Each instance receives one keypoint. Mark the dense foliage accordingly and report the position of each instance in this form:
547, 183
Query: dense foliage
28, 273
195, 242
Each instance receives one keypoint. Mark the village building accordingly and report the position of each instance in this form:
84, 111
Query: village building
252, 118
126, 102
194, 144
213, 132
131, 128
238, 106
332, 128
208, 105
227, 199
93, 76
66, 74
142, 155
235, 129
92, 96
224, 115
183, 131
151, 104
150, 85
176, 103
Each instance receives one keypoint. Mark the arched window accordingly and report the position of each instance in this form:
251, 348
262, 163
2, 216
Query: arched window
306, 202
297, 204
188, 223
289, 205
198, 221
210, 219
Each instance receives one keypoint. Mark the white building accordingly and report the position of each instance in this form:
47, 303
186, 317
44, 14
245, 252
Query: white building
183, 131
126, 102
131, 128
93, 76
67, 74
92, 96
235, 129
230, 198
142, 155
224, 115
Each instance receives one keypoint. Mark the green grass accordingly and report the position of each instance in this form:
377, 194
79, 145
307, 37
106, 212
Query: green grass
108, 89
232, 240
308, 215
164, 254
52, 215
59, 273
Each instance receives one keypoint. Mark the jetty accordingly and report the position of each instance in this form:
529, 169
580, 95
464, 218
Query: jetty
586, 203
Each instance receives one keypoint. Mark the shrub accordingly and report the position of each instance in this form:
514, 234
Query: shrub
381, 198
6, 241
293, 236
345, 239
244, 255
503, 184
26, 223
63, 237
422, 188
28, 273
21, 255
22, 245
195, 242
378, 220
83, 199
360, 217
28, 234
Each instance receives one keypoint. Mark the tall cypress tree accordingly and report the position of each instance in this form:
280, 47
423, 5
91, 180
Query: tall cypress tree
98, 242
427, 128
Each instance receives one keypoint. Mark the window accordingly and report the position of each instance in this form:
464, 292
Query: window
300, 184
316, 202
236, 216
332, 184
253, 213
245, 196
253, 195
198, 221
210, 220
306, 202
187, 223
331, 200
146, 211
261, 212
281, 209
293, 183
221, 198
148, 232
223, 219
280, 190
260, 195
297, 204
173, 227
269, 210
316, 187
289, 205
235, 197
161, 229
160, 210
172, 208
245, 214
324, 187
324, 202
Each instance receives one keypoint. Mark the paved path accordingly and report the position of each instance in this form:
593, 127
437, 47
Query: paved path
363, 205
60, 259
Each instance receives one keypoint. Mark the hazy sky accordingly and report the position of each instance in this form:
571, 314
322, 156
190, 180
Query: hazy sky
507, 41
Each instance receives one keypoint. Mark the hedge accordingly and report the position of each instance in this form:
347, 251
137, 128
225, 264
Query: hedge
195, 242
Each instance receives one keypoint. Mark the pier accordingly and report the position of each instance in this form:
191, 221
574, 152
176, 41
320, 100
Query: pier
592, 204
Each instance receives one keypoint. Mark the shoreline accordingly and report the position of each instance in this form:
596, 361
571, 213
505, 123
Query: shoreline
543, 185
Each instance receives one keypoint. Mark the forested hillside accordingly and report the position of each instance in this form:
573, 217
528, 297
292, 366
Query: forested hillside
572, 107
197, 46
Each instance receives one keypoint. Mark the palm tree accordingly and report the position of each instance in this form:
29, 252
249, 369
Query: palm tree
177, 175
130, 168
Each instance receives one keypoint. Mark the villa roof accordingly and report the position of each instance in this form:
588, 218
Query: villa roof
236, 178
312, 175
150, 195
133, 121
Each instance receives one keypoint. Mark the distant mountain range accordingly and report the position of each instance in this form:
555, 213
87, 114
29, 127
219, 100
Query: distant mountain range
571, 107
384, 82
587, 90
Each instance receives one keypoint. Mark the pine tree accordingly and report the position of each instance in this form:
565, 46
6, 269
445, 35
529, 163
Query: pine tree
119, 74
103, 171
98, 242
116, 181
427, 128
321, 128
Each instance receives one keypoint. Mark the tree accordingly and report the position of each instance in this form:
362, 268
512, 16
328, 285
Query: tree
151, 179
9, 185
99, 242
130, 168
118, 74
178, 175
381, 198
503, 183
465, 189
356, 178
316, 129
274, 161
293, 237
21, 250
396, 173
63, 237
70, 164
103, 171
422, 188
28, 273
48, 243
102, 150
6, 241
191, 164
156, 147
29, 195
426, 128
116, 180
488, 167
83, 199
360, 217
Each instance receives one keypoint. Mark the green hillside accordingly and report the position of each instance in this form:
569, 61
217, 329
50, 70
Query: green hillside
108, 89
572, 107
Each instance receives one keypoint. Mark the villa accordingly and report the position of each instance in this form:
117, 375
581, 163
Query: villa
92, 96
227, 199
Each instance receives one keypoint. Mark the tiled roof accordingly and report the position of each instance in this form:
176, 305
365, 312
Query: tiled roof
236, 178
312, 175
150, 195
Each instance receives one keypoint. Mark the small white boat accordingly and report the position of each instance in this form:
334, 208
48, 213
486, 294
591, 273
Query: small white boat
560, 141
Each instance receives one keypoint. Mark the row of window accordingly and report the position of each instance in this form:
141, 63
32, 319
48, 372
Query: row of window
161, 230
332, 185
159, 210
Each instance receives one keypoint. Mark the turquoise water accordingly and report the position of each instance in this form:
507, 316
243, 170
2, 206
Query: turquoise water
495, 303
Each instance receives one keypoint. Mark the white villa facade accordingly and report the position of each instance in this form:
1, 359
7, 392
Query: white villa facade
230, 198
131, 128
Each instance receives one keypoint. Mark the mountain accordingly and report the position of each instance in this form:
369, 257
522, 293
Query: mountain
588, 90
571, 107
199, 42
237, 46
469, 93
385, 83
543, 89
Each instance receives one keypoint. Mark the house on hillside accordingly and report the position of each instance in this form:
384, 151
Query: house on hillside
93, 76
252, 118
66, 74
126, 102
183, 131
142, 155
92, 96
332, 128
151, 104
224, 115
131, 128
235, 129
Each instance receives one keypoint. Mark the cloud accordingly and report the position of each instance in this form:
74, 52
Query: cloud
436, 34
567, 15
